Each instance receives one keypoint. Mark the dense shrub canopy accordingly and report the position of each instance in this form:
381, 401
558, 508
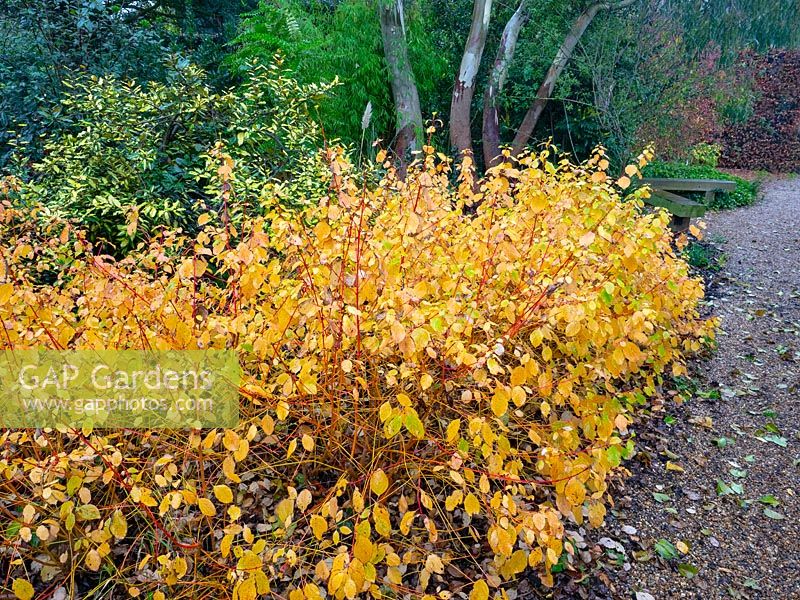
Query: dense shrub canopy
127, 158
430, 397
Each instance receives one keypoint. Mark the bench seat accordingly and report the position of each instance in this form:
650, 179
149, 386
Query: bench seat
683, 209
689, 185
675, 204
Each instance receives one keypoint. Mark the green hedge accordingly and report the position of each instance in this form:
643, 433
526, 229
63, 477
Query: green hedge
744, 194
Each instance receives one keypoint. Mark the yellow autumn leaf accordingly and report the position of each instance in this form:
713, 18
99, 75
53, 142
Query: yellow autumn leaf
93, 560
22, 589
575, 492
480, 591
318, 526
406, 521
434, 564
378, 482
285, 509
380, 517
206, 507
6, 290
499, 403
516, 564
453, 430
426, 381
250, 561
223, 493
303, 500
671, 466
363, 549
292, 447
245, 590
118, 526
225, 545
471, 504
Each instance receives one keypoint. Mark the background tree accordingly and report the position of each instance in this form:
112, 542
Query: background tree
408, 128
343, 40
464, 88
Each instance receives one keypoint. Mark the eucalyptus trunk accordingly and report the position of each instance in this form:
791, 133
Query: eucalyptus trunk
408, 115
464, 89
497, 78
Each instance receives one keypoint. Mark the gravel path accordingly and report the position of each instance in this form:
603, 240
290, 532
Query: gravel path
736, 504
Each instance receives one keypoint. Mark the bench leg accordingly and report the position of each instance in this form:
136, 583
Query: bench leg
679, 224
709, 198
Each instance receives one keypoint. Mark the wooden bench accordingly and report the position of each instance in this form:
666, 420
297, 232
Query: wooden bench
683, 209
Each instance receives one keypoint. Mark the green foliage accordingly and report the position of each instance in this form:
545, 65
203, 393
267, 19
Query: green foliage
744, 194
324, 43
703, 256
45, 42
706, 154
739, 106
126, 158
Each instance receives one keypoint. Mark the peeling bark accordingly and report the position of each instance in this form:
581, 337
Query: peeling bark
497, 78
408, 115
460, 134
559, 62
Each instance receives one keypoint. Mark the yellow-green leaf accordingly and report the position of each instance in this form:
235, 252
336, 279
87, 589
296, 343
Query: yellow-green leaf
22, 589
379, 482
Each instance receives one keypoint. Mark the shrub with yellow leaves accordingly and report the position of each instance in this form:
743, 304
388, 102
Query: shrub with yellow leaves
438, 379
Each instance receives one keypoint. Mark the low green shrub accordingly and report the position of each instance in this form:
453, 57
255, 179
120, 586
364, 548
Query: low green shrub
744, 194
706, 154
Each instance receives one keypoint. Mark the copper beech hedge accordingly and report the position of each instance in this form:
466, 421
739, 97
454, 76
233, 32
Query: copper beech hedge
438, 380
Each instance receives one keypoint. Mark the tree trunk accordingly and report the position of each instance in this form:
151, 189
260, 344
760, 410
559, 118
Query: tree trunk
464, 89
497, 78
559, 62
408, 115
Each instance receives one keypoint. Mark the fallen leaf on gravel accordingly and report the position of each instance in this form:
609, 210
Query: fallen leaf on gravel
682, 547
687, 570
751, 583
723, 489
722, 442
706, 422
671, 466
644, 596
661, 498
778, 440
607, 542
665, 549
769, 499
772, 514
692, 495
